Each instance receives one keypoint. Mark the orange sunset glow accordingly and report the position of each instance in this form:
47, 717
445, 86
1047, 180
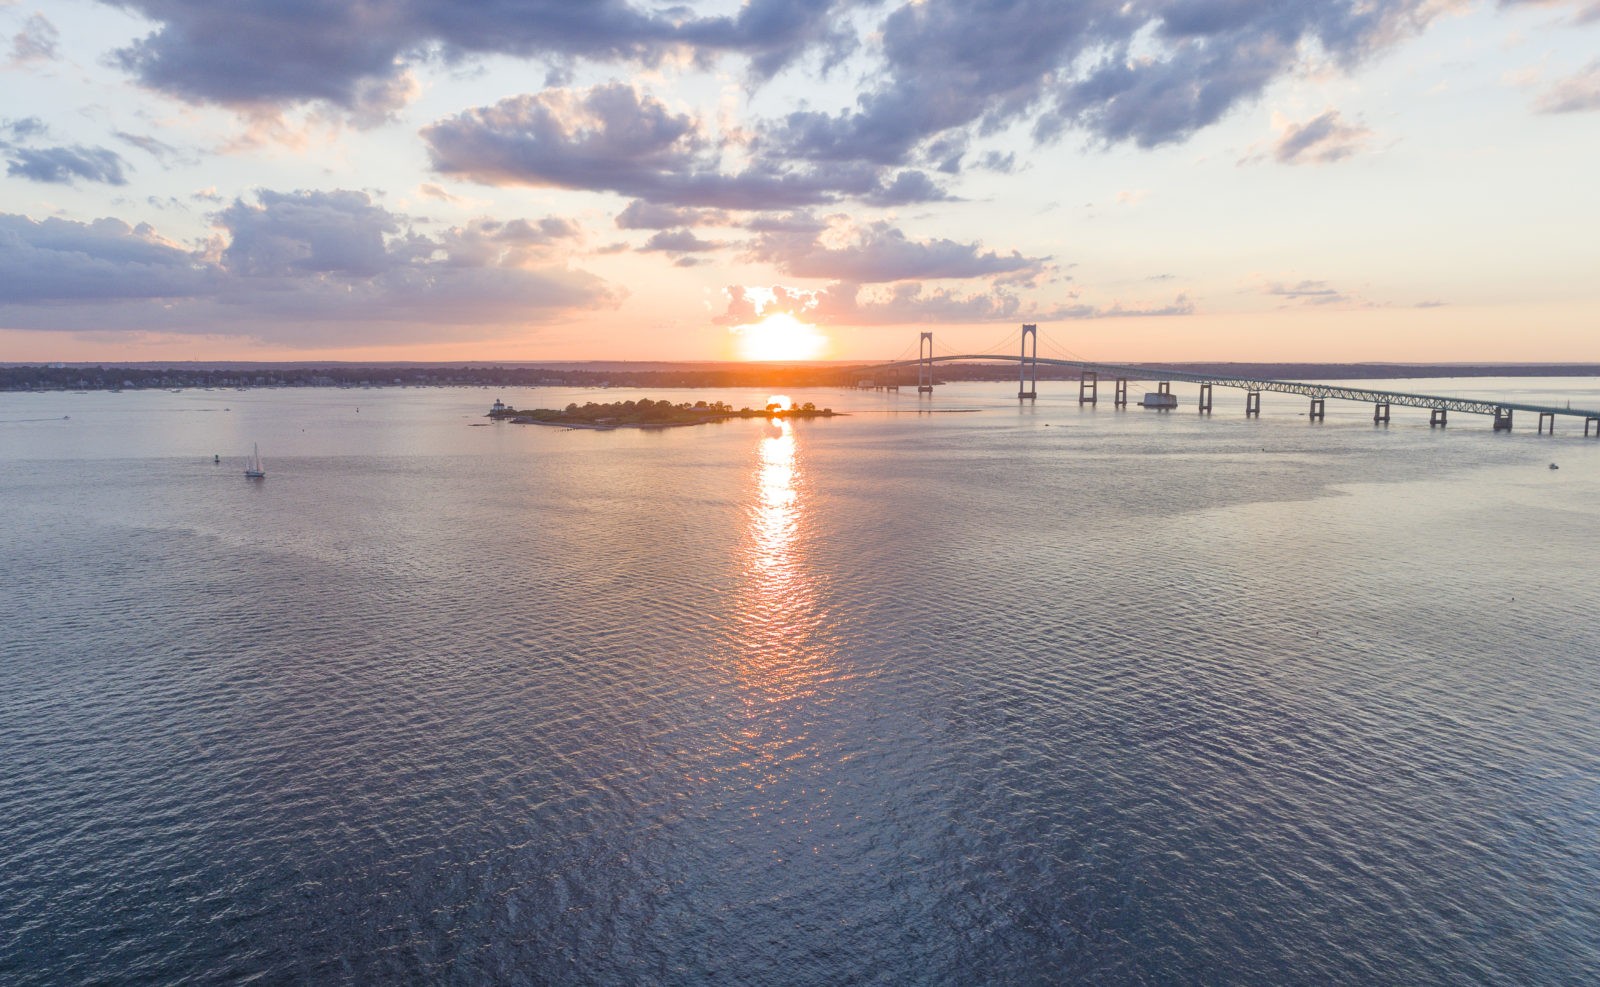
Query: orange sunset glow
781, 336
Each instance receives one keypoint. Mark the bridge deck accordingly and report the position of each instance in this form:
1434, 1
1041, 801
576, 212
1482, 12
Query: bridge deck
1476, 406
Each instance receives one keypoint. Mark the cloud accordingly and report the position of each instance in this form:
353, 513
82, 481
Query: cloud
1145, 73
58, 260
24, 128
428, 190
36, 42
62, 165
613, 138
642, 215
1179, 306
314, 268
908, 187
879, 252
1320, 140
1309, 292
679, 241
914, 303
290, 233
1577, 93
356, 56
159, 150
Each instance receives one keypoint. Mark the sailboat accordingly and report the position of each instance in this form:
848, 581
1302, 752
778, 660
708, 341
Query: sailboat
252, 467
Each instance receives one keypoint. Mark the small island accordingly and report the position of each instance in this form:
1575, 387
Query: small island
645, 413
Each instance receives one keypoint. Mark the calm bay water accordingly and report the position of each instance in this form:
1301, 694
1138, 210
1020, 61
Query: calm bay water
1020, 695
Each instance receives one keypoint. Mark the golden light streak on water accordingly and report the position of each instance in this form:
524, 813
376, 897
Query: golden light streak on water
783, 658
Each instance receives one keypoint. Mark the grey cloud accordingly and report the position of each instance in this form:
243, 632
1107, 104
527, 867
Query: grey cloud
1322, 139
795, 222
1578, 93
58, 260
351, 55
25, 128
1149, 73
612, 138
292, 233
880, 252
62, 165
159, 150
36, 42
495, 243
679, 241
311, 266
642, 215
908, 187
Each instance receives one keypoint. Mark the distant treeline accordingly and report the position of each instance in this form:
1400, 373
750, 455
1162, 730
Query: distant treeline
112, 377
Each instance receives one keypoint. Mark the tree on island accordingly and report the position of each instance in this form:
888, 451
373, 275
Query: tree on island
645, 412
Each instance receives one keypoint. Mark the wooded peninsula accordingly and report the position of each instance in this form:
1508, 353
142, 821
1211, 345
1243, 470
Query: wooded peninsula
645, 413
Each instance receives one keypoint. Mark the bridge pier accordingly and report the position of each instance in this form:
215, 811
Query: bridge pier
1252, 404
1121, 400
1551, 416
1317, 412
1436, 418
1591, 421
1028, 388
1502, 419
1089, 387
1380, 413
1205, 399
925, 364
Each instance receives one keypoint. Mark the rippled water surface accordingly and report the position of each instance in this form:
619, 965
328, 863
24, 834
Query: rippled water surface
1014, 695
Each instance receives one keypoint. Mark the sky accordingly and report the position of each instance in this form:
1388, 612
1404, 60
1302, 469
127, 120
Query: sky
1253, 180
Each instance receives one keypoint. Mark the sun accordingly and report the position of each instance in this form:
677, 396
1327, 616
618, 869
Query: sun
781, 336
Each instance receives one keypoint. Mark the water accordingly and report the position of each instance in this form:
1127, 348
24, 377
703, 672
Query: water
1016, 696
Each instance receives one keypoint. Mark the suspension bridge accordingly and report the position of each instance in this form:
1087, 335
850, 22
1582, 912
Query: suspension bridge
1090, 373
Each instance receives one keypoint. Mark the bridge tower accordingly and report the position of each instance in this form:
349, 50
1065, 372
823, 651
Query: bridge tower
925, 364
1088, 387
1028, 366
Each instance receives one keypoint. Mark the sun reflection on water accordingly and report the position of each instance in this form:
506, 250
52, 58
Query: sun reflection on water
784, 656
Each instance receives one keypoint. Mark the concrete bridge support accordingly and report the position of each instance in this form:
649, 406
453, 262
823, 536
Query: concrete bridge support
925, 364
1549, 416
1436, 418
1591, 421
1502, 419
1318, 409
1089, 388
1252, 404
1380, 413
1028, 383
1121, 399
1205, 399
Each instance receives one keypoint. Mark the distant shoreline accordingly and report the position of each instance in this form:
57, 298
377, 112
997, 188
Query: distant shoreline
25, 377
